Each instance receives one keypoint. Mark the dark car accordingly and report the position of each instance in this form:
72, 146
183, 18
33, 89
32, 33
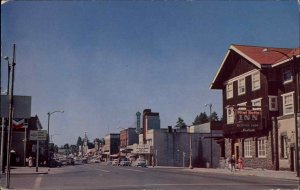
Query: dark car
55, 163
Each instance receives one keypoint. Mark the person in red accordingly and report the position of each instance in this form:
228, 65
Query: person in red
240, 163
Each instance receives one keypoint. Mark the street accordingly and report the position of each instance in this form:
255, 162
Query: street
96, 176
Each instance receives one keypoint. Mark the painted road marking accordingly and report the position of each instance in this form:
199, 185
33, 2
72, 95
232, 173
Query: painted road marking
131, 170
37, 182
103, 170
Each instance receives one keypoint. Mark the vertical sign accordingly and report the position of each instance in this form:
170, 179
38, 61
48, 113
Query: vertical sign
138, 122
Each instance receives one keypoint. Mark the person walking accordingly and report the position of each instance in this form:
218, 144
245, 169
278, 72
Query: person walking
232, 161
30, 161
240, 163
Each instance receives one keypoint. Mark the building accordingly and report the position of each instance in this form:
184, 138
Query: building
112, 145
150, 121
260, 98
22, 147
171, 147
128, 136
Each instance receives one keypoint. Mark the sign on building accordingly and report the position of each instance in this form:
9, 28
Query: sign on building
248, 120
141, 149
40, 135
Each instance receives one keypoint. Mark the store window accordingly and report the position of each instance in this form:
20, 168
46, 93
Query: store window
247, 149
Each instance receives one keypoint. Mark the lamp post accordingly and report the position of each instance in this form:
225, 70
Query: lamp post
296, 102
211, 148
11, 110
48, 137
3, 120
191, 154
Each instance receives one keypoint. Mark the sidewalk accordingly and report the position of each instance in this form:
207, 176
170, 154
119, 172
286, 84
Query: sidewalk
244, 172
27, 170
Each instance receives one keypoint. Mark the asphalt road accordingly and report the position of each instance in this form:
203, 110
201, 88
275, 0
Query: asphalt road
96, 176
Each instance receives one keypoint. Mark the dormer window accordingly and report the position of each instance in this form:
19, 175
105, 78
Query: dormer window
287, 76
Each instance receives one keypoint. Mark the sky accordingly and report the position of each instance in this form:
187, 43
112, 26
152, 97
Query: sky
102, 61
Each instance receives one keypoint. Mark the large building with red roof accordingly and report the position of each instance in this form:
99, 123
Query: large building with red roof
260, 87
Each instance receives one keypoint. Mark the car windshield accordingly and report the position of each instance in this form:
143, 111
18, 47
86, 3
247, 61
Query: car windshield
150, 94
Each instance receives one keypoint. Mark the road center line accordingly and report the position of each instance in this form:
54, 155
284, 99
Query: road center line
37, 182
131, 170
103, 170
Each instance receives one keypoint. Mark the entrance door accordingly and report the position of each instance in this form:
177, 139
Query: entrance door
236, 150
236, 153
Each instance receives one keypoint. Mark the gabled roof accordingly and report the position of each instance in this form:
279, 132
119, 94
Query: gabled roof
259, 56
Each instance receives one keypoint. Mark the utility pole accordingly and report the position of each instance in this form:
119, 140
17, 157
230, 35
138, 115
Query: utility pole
11, 109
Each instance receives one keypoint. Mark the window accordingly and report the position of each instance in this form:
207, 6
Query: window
247, 149
288, 103
261, 148
287, 76
255, 81
242, 106
256, 102
283, 146
230, 115
229, 90
273, 105
242, 86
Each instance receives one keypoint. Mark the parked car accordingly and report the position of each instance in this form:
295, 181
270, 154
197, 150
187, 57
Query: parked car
125, 163
115, 162
71, 161
54, 163
140, 162
84, 161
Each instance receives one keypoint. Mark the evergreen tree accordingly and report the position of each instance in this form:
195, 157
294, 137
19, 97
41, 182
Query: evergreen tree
180, 124
196, 120
214, 116
79, 141
203, 118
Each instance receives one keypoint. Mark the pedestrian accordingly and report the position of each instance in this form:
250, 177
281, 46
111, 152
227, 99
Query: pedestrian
30, 161
228, 163
240, 163
232, 161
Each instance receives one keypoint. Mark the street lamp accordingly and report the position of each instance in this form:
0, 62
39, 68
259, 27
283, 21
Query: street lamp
296, 101
49, 114
191, 154
211, 148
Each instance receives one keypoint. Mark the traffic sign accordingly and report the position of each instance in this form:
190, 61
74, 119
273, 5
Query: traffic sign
40, 135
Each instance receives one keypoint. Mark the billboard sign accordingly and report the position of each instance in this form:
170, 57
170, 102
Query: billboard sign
22, 106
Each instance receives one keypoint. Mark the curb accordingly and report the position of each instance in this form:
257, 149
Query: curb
29, 173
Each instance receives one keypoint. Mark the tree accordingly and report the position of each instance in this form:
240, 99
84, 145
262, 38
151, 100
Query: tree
203, 118
180, 123
73, 148
90, 145
79, 141
214, 116
196, 120
66, 146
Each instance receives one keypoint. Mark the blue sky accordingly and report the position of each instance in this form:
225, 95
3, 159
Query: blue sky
102, 61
